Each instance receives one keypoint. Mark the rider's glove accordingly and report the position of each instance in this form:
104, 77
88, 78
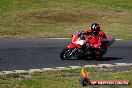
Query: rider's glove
81, 32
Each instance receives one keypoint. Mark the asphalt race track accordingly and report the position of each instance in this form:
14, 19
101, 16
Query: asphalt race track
24, 54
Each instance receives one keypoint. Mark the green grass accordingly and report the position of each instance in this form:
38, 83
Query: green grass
61, 18
59, 79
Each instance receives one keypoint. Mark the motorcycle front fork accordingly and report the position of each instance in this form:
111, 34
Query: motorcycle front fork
73, 51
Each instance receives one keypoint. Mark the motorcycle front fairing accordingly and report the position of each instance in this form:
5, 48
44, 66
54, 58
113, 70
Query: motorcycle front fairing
77, 45
76, 41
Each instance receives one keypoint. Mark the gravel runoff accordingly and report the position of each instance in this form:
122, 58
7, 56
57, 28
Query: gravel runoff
104, 69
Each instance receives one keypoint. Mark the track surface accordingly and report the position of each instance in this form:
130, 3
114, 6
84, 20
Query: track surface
24, 54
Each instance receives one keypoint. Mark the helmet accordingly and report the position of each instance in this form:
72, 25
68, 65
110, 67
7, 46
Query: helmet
95, 28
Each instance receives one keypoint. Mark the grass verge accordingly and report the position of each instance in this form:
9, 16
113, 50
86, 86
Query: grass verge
61, 18
59, 79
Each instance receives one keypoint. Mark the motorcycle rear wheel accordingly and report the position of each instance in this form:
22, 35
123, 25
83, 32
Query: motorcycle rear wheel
65, 54
103, 51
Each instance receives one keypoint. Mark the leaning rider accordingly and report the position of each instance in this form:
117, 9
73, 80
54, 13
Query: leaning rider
98, 37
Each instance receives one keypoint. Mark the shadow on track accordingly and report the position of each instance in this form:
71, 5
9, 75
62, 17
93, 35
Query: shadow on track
99, 59
108, 58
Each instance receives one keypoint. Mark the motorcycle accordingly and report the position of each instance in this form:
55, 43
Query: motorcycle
82, 47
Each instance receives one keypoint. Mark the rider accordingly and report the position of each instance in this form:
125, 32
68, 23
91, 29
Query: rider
97, 36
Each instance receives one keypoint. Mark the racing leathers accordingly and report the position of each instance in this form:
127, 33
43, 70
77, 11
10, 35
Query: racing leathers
96, 40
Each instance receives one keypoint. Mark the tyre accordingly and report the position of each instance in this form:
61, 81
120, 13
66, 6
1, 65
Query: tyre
99, 56
103, 50
65, 54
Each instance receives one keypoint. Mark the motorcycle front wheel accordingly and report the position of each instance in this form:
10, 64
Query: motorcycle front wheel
65, 54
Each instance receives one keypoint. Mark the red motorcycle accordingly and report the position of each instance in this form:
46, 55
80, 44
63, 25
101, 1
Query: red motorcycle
80, 47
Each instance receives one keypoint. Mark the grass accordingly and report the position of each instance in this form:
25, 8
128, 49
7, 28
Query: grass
59, 79
61, 18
